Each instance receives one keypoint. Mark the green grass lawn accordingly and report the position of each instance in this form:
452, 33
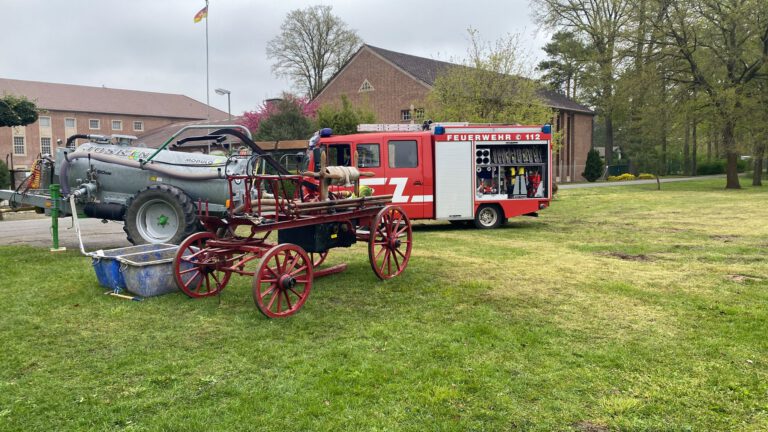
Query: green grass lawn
620, 308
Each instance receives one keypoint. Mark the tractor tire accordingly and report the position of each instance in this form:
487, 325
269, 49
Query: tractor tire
160, 214
488, 217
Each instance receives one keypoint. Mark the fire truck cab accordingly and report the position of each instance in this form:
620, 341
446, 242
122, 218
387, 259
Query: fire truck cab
484, 174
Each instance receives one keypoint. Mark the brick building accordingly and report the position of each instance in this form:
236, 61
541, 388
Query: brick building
71, 109
394, 85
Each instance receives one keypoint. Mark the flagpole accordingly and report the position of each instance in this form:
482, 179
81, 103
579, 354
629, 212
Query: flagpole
207, 76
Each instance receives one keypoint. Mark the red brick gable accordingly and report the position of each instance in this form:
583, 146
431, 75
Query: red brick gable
393, 89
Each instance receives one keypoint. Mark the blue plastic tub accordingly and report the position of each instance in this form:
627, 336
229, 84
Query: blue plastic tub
110, 265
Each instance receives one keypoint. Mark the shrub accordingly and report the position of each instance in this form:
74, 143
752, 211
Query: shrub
646, 176
5, 176
623, 177
718, 166
593, 168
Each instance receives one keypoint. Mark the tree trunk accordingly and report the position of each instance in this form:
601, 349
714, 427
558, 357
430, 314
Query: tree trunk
759, 154
709, 147
687, 148
694, 147
608, 139
729, 141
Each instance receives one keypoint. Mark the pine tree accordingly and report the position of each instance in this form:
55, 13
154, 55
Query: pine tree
593, 169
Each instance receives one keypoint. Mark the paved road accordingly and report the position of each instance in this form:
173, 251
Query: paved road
636, 182
35, 230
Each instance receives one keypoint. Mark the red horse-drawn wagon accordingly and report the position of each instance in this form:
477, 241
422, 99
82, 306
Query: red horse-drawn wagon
309, 222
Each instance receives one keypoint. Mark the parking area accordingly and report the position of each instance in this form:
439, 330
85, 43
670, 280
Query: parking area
29, 228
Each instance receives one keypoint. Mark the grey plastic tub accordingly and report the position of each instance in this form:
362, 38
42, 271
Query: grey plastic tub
149, 273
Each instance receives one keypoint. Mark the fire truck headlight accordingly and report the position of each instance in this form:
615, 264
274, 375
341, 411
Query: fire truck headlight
547, 128
326, 132
439, 130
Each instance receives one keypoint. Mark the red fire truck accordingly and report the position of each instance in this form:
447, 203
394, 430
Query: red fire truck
451, 172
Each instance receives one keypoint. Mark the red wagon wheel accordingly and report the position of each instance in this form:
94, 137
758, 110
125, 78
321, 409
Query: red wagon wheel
390, 242
199, 270
318, 258
283, 281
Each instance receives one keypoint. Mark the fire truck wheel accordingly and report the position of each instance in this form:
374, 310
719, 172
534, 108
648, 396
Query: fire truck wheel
488, 217
160, 214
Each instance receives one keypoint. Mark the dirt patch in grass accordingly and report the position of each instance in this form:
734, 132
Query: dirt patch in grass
630, 257
740, 278
725, 238
588, 426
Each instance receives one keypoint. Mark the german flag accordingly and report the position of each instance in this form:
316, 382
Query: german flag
202, 14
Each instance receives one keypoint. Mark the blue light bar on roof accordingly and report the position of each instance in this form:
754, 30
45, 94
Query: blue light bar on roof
326, 132
547, 128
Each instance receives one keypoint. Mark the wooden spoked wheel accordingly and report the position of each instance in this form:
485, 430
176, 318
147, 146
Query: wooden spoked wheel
199, 270
390, 242
318, 258
282, 281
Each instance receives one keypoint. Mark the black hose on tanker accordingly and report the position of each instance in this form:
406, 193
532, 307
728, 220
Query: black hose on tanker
63, 173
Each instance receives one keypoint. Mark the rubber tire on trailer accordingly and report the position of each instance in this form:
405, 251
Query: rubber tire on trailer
160, 198
488, 217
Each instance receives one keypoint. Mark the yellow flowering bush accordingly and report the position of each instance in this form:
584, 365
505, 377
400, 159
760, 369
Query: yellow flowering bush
623, 177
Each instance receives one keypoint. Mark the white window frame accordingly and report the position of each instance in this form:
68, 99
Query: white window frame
119, 123
74, 123
141, 126
40, 121
90, 124
23, 143
366, 86
405, 115
50, 145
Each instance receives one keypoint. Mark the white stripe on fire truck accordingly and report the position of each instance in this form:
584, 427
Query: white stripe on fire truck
422, 198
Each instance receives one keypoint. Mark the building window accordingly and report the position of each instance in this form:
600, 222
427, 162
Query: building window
403, 154
368, 155
19, 147
69, 123
45, 145
72, 145
365, 87
138, 126
94, 124
45, 122
405, 115
418, 113
117, 125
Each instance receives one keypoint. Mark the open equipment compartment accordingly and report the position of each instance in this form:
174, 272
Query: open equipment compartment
511, 170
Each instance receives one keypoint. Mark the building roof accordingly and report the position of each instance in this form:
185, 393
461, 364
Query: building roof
77, 98
427, 70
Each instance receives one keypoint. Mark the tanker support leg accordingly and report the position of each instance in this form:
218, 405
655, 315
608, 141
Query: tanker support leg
55, 200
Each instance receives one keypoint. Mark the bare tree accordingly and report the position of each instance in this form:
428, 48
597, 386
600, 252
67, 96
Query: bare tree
313, 44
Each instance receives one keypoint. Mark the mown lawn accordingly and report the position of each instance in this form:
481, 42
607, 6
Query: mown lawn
619, 308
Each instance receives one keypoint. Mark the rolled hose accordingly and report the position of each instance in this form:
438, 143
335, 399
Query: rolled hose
63, 173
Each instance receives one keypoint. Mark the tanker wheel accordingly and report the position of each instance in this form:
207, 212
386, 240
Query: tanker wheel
160, 214
198, 270
283, 281
488, 217
390, 242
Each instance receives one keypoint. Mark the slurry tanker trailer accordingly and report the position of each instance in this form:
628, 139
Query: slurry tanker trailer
155, 192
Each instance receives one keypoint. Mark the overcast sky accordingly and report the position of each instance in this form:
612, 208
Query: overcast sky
153, 45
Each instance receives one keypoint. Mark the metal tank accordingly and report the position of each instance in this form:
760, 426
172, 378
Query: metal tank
156, 192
